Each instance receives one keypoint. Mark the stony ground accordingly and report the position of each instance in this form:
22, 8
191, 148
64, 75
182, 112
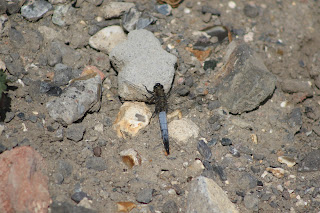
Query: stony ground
284, 33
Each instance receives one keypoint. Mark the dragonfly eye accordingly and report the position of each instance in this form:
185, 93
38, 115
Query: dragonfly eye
157, 85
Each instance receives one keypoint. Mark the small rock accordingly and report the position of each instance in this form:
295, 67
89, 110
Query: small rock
164, 9
213, 105
35, 10
58, 178
245, 72
13, 7
132, 117
251, 10
278, 172
311, 162
246, 182
107, 38
75, 132
115, 9
183, 129
210, 10
9, 116
204, 150
234, 152
65, 168
251, 202
97, 151
210, 64
78, 196
183, 90
74, 103
295, 119
130, 19
144, 196
287, 160
226, 142
170, 207
23, 182
125, 206
96, 163
62, 74
130, 157
213, 142
207, 196
59, 207
59, 14
3, 7
294, 86
218, 31
137, 62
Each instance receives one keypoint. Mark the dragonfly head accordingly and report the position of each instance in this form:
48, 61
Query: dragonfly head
157, 86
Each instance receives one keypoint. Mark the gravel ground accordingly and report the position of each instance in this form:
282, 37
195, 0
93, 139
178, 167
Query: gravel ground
83, 158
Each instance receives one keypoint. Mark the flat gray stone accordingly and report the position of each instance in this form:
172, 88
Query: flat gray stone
244, 82
115, 9
141, 61
35, 10
96, 163
251, 202
144, 196
311, 162
75, 132
80, 97
205, 196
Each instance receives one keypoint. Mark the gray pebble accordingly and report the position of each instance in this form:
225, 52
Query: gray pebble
65, 168
3, 7
54, 54
78, 196
311, 162
58, 178
96, 163
204, 150
251, 202
247, 181
62, 207
93, 29
234, 152
33, 118
251, 10
213, 105
183, 90
62, 74
144, 196
16, 37
226, 142
9, 116
208, 9
170, 207
266, 196
13, 7
213, 142
28, 99
75, 132
164, 9
35, 10
213, 119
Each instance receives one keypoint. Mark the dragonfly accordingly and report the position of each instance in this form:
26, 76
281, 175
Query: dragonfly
159, 98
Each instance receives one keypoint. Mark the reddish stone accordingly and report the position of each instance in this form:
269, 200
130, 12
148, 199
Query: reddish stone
23, 183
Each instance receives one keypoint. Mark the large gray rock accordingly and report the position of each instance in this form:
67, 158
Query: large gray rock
206, 196
141, 61
80, 97
244, 81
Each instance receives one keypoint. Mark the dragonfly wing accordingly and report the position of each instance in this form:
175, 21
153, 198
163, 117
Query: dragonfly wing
164, 130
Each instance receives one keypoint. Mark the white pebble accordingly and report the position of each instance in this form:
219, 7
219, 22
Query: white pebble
187, 10
248, 37
283, 104
232, 4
